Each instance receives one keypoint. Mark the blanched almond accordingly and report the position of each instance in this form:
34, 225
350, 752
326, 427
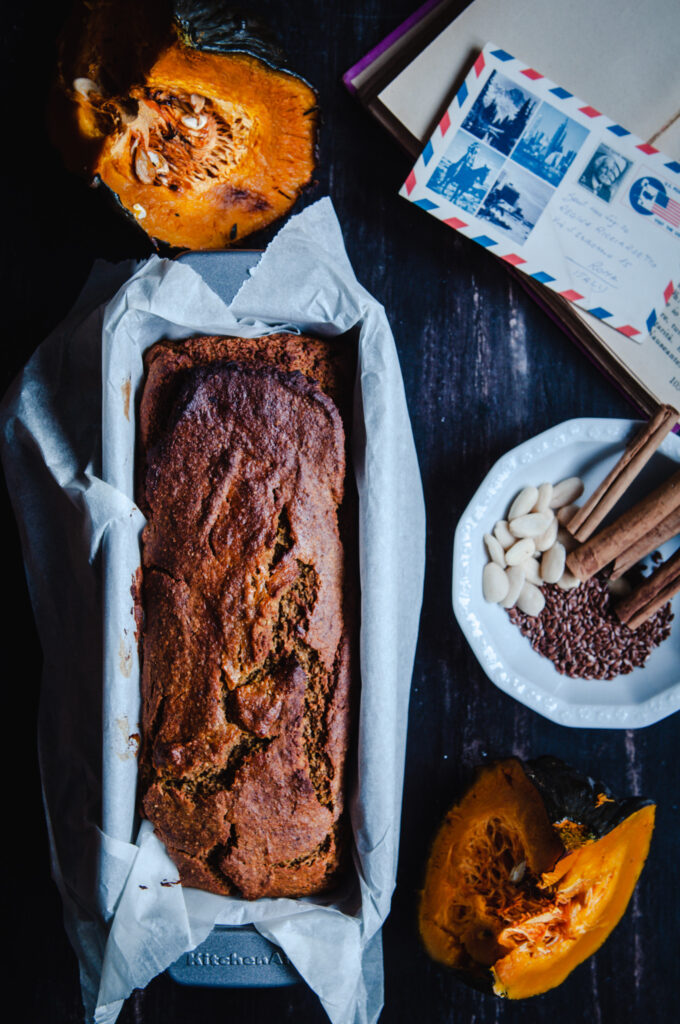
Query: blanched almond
534, 524
503, 535
565, 513
531, 571
567, 581
494, 583
496, 553
547, 539
515, 576
530, 601
543, 500
524, 502
566, 491
552, 563
519, 551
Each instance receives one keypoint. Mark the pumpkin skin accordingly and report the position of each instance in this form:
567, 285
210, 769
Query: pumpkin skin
529, 874
182, 110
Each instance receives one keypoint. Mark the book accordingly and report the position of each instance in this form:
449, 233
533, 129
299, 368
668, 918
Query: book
620, 56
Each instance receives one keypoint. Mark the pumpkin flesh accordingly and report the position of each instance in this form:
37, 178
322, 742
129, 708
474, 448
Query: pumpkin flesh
502, 893
589, 891
200, 147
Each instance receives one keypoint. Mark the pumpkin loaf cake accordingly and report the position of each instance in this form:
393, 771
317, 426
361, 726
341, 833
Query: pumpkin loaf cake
246, 645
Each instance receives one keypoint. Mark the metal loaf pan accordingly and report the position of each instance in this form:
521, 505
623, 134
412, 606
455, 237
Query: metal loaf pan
231, 957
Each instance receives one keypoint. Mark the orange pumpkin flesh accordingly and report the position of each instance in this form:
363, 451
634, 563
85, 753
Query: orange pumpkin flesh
503, 896
200, 147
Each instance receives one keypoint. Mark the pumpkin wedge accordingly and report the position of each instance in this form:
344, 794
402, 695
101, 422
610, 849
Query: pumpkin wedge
529, 874
183, 110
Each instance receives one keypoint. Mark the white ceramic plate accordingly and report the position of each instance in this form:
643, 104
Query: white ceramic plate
587, 448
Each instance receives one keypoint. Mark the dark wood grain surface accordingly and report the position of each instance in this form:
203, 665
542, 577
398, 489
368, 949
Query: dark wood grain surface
484, 370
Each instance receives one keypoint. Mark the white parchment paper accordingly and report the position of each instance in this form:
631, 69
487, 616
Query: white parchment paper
68, 432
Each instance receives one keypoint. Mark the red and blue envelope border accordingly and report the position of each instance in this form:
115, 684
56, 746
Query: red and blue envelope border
572, 103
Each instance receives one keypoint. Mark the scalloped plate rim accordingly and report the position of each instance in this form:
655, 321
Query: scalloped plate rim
527, 691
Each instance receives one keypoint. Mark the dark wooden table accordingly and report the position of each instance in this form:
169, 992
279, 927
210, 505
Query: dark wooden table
484, 369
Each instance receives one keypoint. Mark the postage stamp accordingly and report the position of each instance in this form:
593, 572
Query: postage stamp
556, 188
604, 172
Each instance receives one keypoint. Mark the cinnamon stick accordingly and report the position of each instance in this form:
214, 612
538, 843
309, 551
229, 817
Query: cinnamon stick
651, 595
587, 559
657, 536
586, 519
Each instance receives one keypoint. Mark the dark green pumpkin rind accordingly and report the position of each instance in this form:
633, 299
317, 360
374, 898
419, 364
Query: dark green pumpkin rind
568, 794
214, 27
220, 28
114, 201
217, 27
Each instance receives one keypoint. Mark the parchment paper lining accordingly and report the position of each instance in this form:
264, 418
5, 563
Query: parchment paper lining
74, 499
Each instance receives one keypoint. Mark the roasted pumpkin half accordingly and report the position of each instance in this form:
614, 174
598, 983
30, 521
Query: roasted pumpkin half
182, 109
529, 874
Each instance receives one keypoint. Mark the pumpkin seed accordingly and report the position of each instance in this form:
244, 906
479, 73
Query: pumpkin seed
517, 873
143, 167
85, 86
158, 161
194, 124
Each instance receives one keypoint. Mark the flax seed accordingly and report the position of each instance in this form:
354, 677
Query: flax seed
579, 632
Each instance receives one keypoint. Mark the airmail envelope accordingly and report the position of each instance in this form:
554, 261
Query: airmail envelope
558, 190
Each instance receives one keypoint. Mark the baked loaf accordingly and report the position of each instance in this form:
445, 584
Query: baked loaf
246, 647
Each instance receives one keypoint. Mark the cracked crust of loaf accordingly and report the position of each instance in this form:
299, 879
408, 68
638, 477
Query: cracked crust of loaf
246, 648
